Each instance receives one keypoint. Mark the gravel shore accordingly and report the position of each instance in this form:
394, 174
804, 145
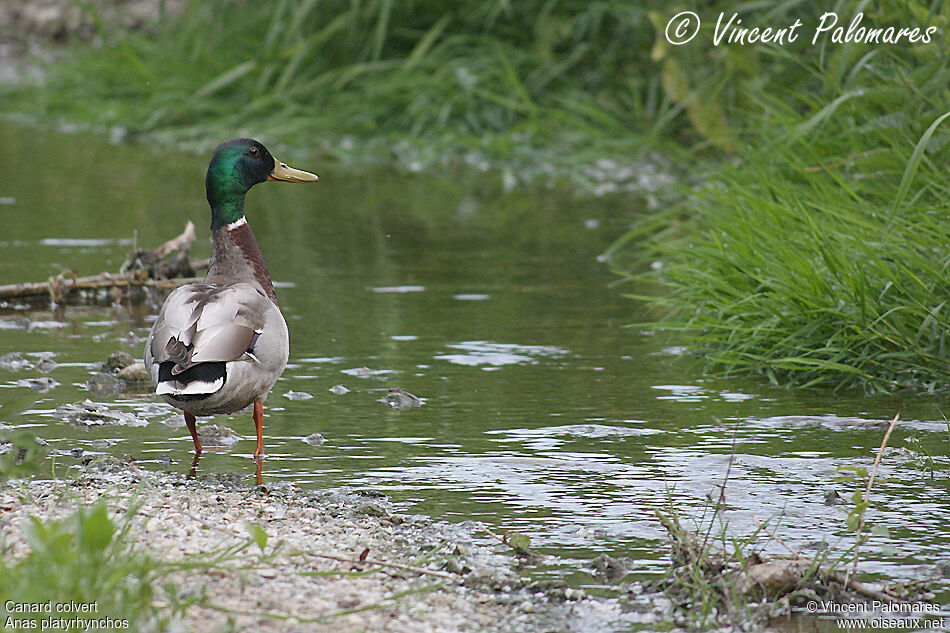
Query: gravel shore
419, 575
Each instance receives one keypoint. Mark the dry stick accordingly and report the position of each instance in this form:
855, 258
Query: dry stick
493, 535
379, 563
867, 494
838, 577
179, 243
721, 503
765, 529
860, 587
104, 280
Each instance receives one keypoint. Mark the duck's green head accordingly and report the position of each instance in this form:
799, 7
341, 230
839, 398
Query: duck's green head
236, 166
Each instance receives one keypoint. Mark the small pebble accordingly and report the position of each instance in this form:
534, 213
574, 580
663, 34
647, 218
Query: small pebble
401, 400
175, 421
133, 373
14, 361
366, 372
44, 361
88, 413
132, 339
214, 435
118, 360
314, 439
103, 384
832, 498
339, 390
42, 385
298, 395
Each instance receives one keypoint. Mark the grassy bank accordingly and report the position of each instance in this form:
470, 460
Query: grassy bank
820, 254
532, 85
585, 91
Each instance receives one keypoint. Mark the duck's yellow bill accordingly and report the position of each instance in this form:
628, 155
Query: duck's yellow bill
285, 173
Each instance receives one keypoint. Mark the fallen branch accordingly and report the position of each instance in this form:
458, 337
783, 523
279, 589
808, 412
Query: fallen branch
180, 243
379, 563
59, 286
861, 588
145, 269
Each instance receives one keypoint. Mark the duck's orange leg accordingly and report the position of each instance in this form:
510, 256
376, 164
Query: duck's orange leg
190, 421
258, 479
259, 425
194, 465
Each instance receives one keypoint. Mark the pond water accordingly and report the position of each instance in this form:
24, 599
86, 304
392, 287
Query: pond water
543, 414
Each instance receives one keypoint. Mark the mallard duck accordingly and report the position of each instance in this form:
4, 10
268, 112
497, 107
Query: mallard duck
219, 346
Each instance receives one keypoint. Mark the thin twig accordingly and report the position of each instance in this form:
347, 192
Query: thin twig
867, 494
860, 587
721, 502
765, 529
181, 242
379, 563
495, 536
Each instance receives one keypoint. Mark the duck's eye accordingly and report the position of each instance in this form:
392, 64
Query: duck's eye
252, 151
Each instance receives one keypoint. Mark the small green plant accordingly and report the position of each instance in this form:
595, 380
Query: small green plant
851, 474
85, 572
705, 579
518, 541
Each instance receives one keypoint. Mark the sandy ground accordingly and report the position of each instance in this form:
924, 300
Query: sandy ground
459, 586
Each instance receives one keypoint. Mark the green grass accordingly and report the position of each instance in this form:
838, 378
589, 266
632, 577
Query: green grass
90, 558
820, 255
85, 559
419, 82
540, 88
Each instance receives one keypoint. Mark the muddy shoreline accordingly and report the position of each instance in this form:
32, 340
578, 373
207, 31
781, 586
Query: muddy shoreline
412, 573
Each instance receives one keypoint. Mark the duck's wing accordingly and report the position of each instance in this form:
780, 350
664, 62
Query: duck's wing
202, 323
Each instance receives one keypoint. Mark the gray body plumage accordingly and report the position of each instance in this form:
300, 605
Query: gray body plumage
232, 318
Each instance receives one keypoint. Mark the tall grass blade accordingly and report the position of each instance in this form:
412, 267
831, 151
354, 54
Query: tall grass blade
225, 80
911, 170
